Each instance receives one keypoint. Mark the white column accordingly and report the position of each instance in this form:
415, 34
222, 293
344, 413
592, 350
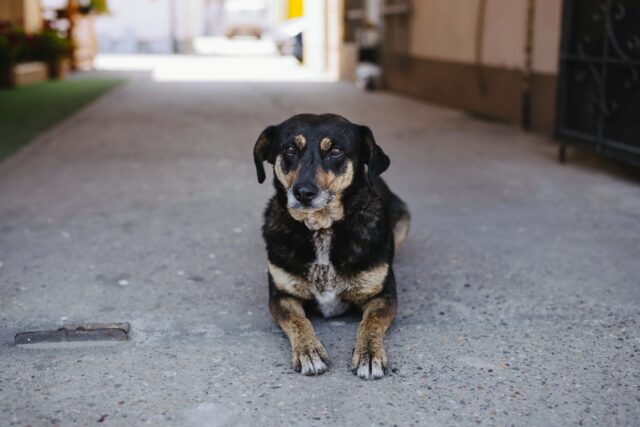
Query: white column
314, 37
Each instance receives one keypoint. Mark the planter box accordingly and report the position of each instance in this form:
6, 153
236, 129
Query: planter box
28, 73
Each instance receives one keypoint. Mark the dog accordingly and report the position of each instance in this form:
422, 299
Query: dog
331, 231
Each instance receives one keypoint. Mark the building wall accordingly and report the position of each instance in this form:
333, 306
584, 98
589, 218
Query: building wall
12, 11
334, 35
546, 36
149, 26
546, 49
443, 29
25, 13
135, 26
466, 57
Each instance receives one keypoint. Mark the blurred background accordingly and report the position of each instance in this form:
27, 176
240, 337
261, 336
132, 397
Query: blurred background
499, 59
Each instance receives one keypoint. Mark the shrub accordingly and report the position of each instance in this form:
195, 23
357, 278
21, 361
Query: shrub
19, 43
50, 47
16, 46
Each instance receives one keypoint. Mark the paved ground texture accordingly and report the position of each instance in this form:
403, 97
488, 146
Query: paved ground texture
519, 285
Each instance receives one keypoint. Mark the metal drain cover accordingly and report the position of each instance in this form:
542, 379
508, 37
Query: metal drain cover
78, 333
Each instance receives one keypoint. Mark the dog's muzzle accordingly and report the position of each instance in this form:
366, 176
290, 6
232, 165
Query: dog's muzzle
309, 197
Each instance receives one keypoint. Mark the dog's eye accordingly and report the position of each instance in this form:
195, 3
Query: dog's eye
290, 150
336, 152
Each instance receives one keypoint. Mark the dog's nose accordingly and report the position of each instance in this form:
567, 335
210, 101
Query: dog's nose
305, 192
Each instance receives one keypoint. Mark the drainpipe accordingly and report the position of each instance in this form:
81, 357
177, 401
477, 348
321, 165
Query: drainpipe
528, 67
482, 82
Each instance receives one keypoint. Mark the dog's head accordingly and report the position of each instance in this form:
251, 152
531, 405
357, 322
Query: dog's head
317, 157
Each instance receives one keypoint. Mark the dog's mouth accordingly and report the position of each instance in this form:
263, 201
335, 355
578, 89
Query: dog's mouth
319, 202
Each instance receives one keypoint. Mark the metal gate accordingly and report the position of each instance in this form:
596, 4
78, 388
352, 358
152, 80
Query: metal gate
354, 17
396, 16
599, 81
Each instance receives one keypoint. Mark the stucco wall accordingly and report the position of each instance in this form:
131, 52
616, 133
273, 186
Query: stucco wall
504, 33
444, 29
470, 54
546, 35
447, 30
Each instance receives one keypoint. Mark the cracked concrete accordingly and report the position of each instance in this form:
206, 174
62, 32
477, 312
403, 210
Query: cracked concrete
518, 285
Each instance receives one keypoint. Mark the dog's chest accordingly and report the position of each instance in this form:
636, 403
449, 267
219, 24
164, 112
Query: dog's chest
325, 284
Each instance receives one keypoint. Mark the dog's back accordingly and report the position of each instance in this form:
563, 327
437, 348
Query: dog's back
397, 209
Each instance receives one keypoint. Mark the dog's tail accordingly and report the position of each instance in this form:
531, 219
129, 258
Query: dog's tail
398, 212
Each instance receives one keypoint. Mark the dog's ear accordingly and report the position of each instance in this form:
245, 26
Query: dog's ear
262, 150
375, 159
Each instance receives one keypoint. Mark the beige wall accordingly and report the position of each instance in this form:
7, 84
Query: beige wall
32, 16
447, 30
444, 29
546, 36
504, 33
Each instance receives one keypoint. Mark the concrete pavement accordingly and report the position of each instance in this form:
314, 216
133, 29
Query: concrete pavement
518, 286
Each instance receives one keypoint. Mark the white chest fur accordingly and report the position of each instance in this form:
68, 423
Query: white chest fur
325, 284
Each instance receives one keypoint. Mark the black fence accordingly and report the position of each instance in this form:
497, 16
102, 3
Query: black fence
599, 81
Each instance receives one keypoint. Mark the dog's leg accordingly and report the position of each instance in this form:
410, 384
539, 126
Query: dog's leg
369, 359
308, 355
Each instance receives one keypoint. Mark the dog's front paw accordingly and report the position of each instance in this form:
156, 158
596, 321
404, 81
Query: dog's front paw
369, 361
310, 358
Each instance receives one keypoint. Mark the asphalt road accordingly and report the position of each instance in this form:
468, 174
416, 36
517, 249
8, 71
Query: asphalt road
519, 285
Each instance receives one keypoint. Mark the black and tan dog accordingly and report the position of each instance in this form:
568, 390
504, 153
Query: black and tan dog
331, 230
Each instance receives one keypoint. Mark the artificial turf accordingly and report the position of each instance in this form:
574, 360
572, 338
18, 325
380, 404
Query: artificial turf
26, 112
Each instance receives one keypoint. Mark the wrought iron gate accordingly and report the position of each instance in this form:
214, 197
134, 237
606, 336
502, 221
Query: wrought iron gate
599, 81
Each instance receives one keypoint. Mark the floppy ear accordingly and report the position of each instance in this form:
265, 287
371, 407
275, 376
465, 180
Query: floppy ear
375, 159
261, 151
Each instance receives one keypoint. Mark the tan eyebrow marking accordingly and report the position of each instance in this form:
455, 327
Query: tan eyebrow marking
300, 141
325, 144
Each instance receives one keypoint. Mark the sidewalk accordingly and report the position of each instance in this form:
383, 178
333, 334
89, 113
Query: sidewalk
518, 285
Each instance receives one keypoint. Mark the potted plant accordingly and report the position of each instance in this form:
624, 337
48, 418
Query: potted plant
100, 7
95, 7
53, 49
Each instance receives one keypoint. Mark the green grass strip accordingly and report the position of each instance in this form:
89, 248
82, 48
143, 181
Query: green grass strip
26, 112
